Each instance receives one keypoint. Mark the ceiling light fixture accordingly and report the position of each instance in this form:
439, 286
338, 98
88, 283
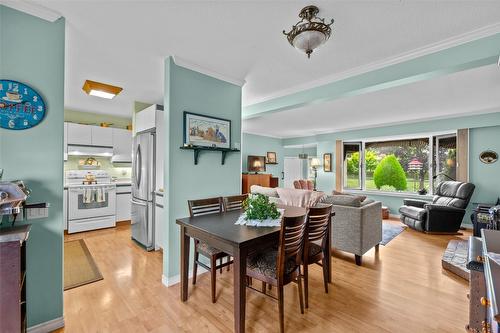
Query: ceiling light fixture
99, 89
310, 32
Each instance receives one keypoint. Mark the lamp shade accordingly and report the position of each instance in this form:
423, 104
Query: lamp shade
315, 163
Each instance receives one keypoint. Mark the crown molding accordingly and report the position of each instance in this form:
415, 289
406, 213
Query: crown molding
402, 57
33, 9
258, 134
192, 66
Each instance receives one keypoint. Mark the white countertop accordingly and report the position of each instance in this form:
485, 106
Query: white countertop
123, 181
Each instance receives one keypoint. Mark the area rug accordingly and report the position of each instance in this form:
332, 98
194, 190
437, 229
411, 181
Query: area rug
390, 231
455, 258
79, 266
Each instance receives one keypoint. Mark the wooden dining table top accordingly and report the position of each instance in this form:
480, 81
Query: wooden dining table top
223, 227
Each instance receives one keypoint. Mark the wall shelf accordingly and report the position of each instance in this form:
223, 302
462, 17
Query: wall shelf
196, 152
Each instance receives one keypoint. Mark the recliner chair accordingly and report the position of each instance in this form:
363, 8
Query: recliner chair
444, 214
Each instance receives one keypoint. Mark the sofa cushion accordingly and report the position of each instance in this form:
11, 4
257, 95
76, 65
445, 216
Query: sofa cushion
299, 198
342, 200
267, 191
363, 197
413, 212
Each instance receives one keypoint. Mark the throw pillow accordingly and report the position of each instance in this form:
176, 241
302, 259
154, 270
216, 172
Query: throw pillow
267, 191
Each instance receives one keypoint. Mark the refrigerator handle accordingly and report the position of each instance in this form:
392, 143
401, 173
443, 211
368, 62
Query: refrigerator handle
138, 166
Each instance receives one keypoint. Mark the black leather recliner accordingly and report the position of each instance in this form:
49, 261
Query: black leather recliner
444, 214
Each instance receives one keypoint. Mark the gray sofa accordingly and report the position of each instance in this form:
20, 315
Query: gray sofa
357, 225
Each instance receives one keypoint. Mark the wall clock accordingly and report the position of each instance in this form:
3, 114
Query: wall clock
21, 107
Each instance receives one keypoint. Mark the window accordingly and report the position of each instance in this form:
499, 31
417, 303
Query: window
402, 165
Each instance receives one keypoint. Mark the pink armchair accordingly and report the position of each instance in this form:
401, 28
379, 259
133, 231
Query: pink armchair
303, 184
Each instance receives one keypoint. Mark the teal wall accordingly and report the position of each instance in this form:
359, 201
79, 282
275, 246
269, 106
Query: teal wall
187, 90
259, 145
484, 134
32, 51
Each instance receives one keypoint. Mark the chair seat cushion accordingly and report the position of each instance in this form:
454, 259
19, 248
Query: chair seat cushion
265, 262
206, 249
314, 249
413, 212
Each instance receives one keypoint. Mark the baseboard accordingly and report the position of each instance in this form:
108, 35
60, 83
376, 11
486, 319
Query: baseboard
47, 326
171, 281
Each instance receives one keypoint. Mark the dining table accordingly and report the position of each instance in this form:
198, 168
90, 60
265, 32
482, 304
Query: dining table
221, 231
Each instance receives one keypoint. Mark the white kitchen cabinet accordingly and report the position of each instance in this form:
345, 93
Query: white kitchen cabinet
65, 140
65, 209
145, 119
102, 136
79, 134
159, 223
123, 205
122, 145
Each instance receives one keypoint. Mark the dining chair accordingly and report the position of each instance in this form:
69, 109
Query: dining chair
281, 266
316, 244
206, 207
234, 202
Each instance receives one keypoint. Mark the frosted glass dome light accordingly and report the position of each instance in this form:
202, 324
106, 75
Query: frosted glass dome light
309, 33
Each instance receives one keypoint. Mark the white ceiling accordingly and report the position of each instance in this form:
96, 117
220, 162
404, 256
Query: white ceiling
124, 43
467, 92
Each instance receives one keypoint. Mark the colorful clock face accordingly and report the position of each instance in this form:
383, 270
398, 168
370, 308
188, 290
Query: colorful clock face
21, 107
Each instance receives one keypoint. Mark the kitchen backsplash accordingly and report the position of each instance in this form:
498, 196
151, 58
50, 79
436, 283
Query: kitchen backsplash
122, 171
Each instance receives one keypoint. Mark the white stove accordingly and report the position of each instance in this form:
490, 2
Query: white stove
91, 200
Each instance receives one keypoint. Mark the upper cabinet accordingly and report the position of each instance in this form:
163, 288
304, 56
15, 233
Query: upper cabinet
122, 145
79, 134
102, 136
87, 135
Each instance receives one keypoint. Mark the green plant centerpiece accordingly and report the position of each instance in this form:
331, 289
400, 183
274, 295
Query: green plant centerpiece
258, 207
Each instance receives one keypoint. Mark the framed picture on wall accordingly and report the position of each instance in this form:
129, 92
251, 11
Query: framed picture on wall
271, 158
206, 131
327, 162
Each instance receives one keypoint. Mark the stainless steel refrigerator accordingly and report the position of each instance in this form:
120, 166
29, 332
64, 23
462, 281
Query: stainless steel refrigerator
143, 184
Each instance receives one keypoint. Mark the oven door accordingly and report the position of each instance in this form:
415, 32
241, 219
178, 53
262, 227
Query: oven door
91, 201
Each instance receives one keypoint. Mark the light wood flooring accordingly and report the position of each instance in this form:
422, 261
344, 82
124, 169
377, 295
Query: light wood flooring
401, 289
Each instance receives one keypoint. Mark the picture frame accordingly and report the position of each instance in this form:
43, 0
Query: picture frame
206, 131
271, 157
327, 162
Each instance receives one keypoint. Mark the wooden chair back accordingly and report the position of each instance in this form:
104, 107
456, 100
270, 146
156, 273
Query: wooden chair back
291, 241
205, 206
318, 220
234, 202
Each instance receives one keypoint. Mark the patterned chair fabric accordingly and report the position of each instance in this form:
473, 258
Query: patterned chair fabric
266, 263
303, 184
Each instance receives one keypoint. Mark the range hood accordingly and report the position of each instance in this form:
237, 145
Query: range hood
124, 158
78, 150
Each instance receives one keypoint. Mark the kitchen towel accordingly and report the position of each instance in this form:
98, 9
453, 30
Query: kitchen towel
101, 196
88, 195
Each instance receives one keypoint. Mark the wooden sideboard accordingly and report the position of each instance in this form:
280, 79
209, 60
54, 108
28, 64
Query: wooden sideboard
13, 278
261, 179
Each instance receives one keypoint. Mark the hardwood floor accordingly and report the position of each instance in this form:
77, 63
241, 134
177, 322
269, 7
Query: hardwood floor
402, 288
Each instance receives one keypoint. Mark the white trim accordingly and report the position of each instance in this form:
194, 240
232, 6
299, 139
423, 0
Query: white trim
171, 281
47, 326
410, 136
258, 134
305, 146
402, 57
32, 9
192, 66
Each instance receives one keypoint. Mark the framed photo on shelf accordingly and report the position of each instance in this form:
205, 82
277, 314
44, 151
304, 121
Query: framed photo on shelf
327, 162
271, 158
206, 131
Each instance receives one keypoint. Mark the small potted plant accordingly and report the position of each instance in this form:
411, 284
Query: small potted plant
258, 207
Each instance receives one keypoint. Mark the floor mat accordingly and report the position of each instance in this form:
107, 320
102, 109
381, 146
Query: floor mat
390, 231
79, 266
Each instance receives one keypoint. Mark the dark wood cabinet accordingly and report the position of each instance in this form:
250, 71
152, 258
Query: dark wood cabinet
13, 278
261, 179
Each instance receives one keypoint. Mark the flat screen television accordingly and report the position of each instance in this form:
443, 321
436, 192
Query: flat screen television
256, 163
